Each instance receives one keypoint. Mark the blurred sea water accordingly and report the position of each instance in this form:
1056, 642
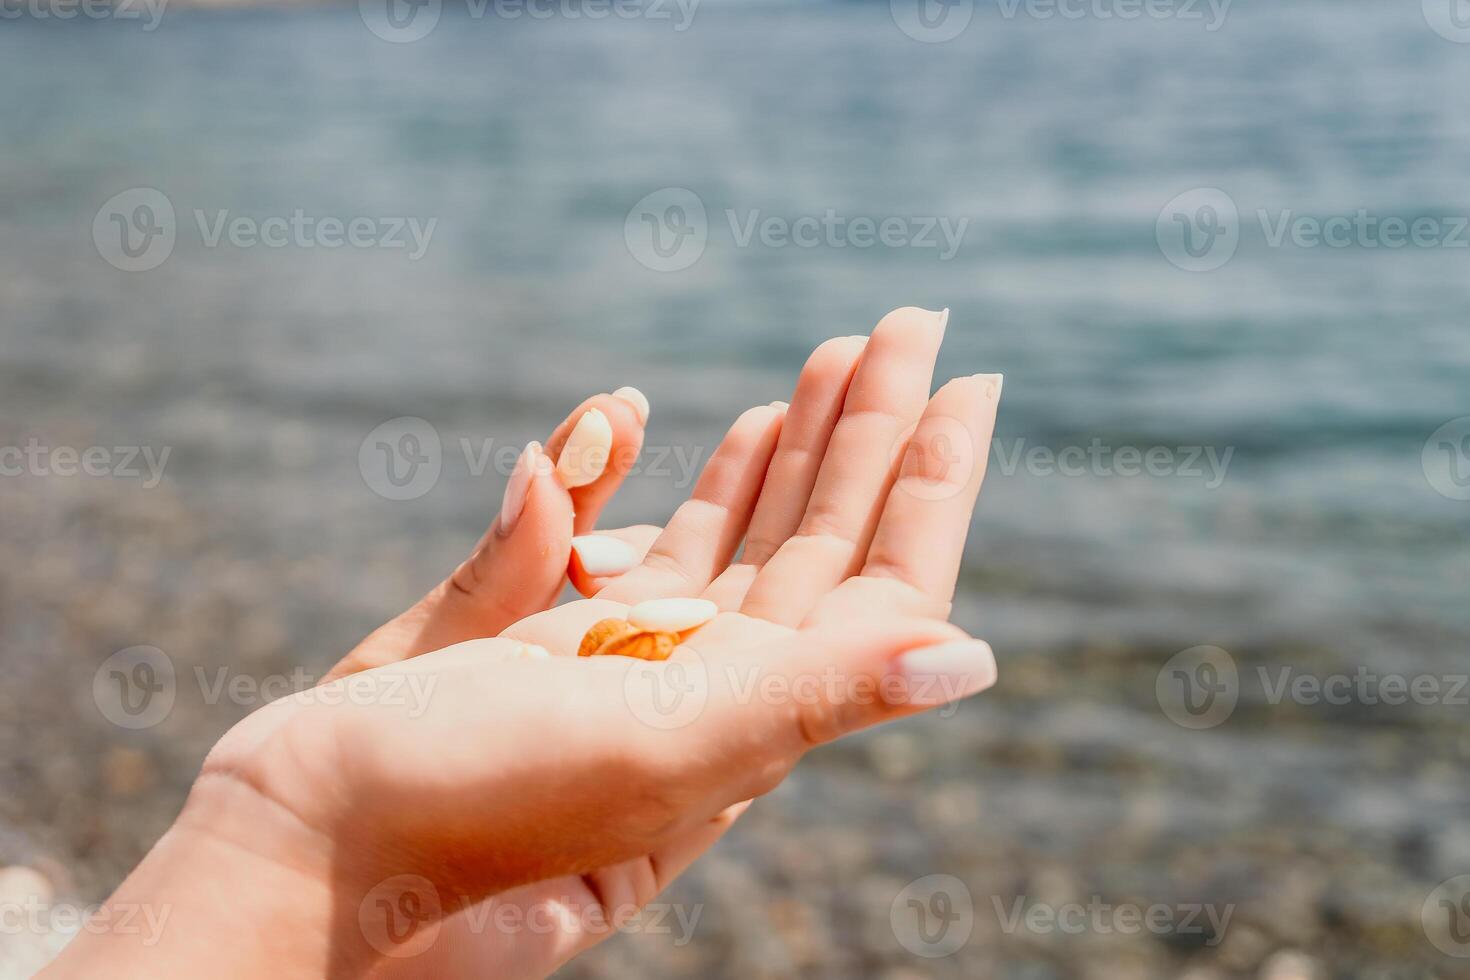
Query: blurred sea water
1314, 375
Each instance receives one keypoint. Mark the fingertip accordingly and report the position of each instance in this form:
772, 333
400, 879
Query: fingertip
635, 398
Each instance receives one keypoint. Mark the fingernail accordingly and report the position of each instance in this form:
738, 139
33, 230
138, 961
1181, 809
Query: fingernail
601, 555
637, 399
946, 672
780, 406
584, 457
531, 651
993, 384
516, 489
943, 319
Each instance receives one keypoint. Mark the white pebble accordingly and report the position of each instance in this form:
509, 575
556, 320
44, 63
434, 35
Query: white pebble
672, 615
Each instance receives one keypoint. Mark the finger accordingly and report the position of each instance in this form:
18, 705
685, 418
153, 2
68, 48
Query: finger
626, 411
815, 408
599, 558
764, 706
704, 532
509, 577
885, 398
914, 560
520, 563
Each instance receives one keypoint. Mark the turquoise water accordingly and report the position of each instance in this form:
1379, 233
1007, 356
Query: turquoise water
1318, 372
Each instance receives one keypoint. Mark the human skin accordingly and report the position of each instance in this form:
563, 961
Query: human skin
560, 781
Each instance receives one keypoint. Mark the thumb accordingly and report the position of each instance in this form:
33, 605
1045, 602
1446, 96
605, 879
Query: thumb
737, 721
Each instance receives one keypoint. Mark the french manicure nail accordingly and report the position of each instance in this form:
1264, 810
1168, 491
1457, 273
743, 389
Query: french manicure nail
780, 406
531, 651
584, 457
601, 555
516, 489
637, 399
946, 672
943, 319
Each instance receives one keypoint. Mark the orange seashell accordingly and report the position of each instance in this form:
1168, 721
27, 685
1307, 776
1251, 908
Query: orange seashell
641, 644
601, 632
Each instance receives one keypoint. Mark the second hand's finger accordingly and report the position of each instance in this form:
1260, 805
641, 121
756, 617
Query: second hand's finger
914, 560
887, 395
704, 532
626, 412
815, 408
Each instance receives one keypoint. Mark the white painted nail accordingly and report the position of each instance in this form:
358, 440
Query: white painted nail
637, 399
672, 615
945, 672
780, 406
584, 457
601, 555
943, 319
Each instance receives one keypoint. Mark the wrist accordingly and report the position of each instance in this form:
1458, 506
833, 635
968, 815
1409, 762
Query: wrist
236, 887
